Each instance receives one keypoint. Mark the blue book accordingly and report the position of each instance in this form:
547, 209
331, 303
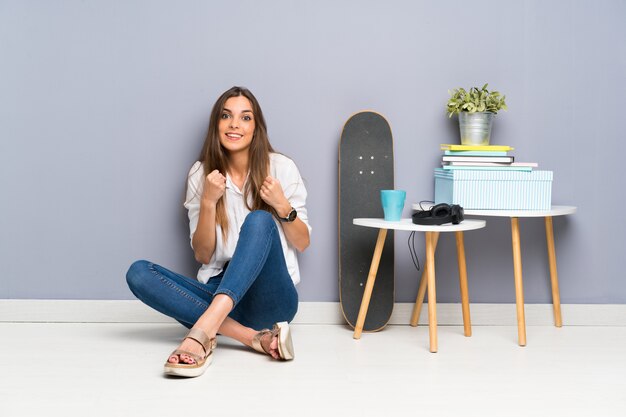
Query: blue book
489, 168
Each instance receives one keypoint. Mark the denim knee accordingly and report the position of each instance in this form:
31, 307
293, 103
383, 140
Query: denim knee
259, 220
135, 277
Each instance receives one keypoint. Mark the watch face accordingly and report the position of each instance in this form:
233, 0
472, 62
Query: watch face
292, 215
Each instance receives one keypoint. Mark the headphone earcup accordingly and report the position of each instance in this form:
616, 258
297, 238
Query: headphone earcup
457, 214
440, 210
420, 215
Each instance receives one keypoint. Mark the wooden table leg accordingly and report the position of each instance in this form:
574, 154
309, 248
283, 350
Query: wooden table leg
369, 286
432, 296
519, 287
554, 277
460, 253
417, 308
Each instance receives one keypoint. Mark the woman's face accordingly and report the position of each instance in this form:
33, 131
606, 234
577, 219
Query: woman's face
236, 124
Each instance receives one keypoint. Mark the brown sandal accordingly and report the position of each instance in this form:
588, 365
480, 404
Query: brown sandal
201, 363
285, 344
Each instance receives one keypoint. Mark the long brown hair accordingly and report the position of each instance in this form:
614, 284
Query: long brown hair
213, 156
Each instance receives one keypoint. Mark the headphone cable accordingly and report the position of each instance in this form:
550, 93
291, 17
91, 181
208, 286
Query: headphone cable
411, 240
412, 251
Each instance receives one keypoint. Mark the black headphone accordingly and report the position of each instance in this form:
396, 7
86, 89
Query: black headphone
439, 214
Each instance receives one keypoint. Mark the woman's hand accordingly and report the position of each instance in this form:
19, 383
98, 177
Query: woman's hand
272, 193
296, 232
204, 238
214, 187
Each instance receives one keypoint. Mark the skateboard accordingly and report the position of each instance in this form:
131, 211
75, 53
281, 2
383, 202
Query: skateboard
365, 168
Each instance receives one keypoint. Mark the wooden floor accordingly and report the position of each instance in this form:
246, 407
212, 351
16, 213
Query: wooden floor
115, 370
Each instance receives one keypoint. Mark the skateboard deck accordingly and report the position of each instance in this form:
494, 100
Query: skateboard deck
365, 168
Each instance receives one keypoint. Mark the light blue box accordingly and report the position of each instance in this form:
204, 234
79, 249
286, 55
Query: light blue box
494, 190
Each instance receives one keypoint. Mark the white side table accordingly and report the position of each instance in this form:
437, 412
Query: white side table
515, 215
432, 235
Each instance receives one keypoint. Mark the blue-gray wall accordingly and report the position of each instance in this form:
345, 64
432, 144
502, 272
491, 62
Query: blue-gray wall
104, 106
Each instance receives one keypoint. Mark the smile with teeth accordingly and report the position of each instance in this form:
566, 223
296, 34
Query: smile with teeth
234, 135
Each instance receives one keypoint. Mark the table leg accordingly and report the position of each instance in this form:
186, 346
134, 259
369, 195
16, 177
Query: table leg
460, 253
519, 287
554, 277
432, 297
417, 308
369, 286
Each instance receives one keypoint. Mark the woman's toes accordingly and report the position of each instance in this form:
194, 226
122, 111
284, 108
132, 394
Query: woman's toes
269, 343
182, 359
187, 359
274, 348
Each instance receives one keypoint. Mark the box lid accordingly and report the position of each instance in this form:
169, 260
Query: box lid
492, 175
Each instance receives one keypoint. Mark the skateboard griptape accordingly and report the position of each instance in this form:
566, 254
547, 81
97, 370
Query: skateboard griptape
365, 168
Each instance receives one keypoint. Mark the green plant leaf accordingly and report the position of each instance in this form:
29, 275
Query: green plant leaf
474, 99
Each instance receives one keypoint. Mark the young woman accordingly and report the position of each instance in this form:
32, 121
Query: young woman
247, 218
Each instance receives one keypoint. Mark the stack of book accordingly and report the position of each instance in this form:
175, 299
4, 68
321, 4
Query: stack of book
482, 158
488, 178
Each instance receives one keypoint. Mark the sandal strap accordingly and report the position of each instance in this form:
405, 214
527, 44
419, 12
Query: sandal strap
207, 343
256, 340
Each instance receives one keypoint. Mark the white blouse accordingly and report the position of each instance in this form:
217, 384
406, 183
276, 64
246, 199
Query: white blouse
284, 170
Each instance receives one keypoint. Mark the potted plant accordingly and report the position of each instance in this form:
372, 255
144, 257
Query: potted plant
476, 109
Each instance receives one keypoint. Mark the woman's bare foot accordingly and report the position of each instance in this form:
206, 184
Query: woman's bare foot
191, 346
269, 342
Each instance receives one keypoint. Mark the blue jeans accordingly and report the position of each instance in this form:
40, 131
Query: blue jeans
256, 278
